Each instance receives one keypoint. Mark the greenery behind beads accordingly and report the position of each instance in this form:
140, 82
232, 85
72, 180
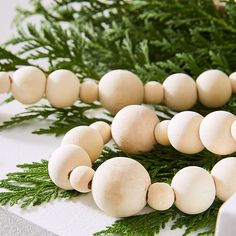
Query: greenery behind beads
152, 38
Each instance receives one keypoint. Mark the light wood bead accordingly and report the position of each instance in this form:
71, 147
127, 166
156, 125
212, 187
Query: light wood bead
160, 196
232, 78
89, 92
104, 129
5, 82
161, 132
153, 93
81, 178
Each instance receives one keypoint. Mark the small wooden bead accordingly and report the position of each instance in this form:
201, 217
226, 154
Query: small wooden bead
89, 92
161, 132
160, 196
62, 88
194, 190
232, 78
180, 92
81, 178
153, 92
104, 129
214, 88
28, 84
63, 160
224, 174
215, 132
86, 137
5, 82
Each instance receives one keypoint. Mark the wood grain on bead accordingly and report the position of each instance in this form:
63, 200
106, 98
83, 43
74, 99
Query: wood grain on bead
153, 92
120, 88
232, 78
28, 84
214, 88
81, 178
5, 82
133, 129
180, 92
183, 132
161, 132
194, 190
119, 187
160, 196
63, 160
86, 137
104, 129
62, 88
224, 174
88, 92
215, 132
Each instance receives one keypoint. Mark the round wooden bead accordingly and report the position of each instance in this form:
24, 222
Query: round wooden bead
214, 88
28, 84
161, 132
224, 174
180, 92
89, 92
215, 132
119, 187
153, 92
104, 129
133, 129
194, 190
86, 137
5, 82
232, 78
160, 196
183, 132
120, 88
63, 160
62, 88
81, 178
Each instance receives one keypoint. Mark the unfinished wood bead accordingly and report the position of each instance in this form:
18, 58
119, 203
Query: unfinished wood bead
183, 132
89, 91
62, 88
81, 178
214, 88
104, 129
63, 160
224, 174
28, 84
120, 88
133, 129
5, 82
194, 190
119, 187
180, 92
86, 137
232, 78
153, 92
160, 196
215, 132
161, 132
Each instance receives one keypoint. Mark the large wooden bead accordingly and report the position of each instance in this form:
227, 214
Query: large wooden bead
5, 82
232, 78
133, 129
214, 88
180, 92
81, 178
63, 160
183, 132
89, 92
161, 132
119, 187
62, 88
224, 174
28, 84
153, 92
104, 129
215, 132
86, 137
194, 190
120, 88
160, 196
